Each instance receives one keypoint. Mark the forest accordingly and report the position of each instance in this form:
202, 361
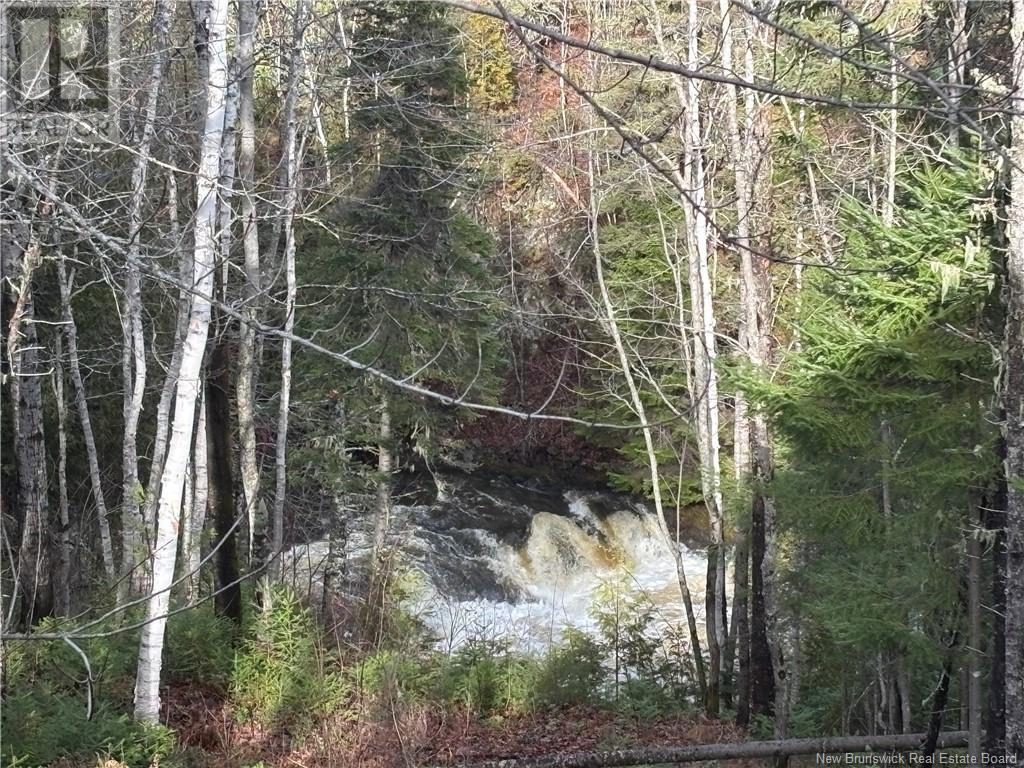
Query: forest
520, 384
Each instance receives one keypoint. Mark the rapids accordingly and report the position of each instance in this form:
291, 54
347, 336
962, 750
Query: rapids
501, 559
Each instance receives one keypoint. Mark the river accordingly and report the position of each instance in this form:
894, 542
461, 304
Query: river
496, 558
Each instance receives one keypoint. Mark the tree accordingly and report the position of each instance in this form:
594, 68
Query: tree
172, 482
33, 596
414, 262
1012, 406
879, 419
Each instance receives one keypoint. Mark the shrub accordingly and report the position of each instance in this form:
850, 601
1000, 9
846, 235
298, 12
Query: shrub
199, 646
643, 698
56, 667
43, 715
279, 676
651, 671
571, 672
41, 727
395, 675
486, 677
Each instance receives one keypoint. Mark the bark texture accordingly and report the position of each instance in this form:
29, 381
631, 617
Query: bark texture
248, 13
147, 685
82, 404
33, 597
63, 587
228, 590
1013, 412
136, 521
195, 520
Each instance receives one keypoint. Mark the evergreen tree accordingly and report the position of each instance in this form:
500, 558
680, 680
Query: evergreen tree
887, 441
412, 290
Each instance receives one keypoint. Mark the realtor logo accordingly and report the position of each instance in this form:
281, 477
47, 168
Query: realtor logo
58, 66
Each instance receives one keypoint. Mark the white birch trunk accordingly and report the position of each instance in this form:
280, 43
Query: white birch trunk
225, 210
385, 467
747, 325
163, 409
247, 23
290, 160
705, 343
147, 685
704, 382
136, 528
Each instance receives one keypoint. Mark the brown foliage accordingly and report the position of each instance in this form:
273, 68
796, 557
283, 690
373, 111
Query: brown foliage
406, 735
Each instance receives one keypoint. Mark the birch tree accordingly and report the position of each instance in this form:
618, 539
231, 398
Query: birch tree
136, 529
163, 408
290, 161
611, 325
197, 498
147, 686
746, 326
705, 353
691, 183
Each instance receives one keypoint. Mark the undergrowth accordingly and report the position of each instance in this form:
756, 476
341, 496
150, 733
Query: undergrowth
280, 674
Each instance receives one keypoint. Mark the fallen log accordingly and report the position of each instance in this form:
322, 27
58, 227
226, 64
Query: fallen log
728, 751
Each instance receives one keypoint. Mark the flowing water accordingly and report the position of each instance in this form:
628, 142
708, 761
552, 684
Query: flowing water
498, 559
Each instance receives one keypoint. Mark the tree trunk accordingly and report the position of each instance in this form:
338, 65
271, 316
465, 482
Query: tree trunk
995, 716
704, 356
65, 282
903, 688
974, 641
225, 210
762, 681
767, 676
163, 408
228, 590
612, 326
959, 51
133, 369
1012, 392
729, 653
741, 621
749, 332
939, 698
147, 686
290, 160
892, 146
385, 466
713, 693
32, 595
63, 590
137, 529
248, 14
196, 521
